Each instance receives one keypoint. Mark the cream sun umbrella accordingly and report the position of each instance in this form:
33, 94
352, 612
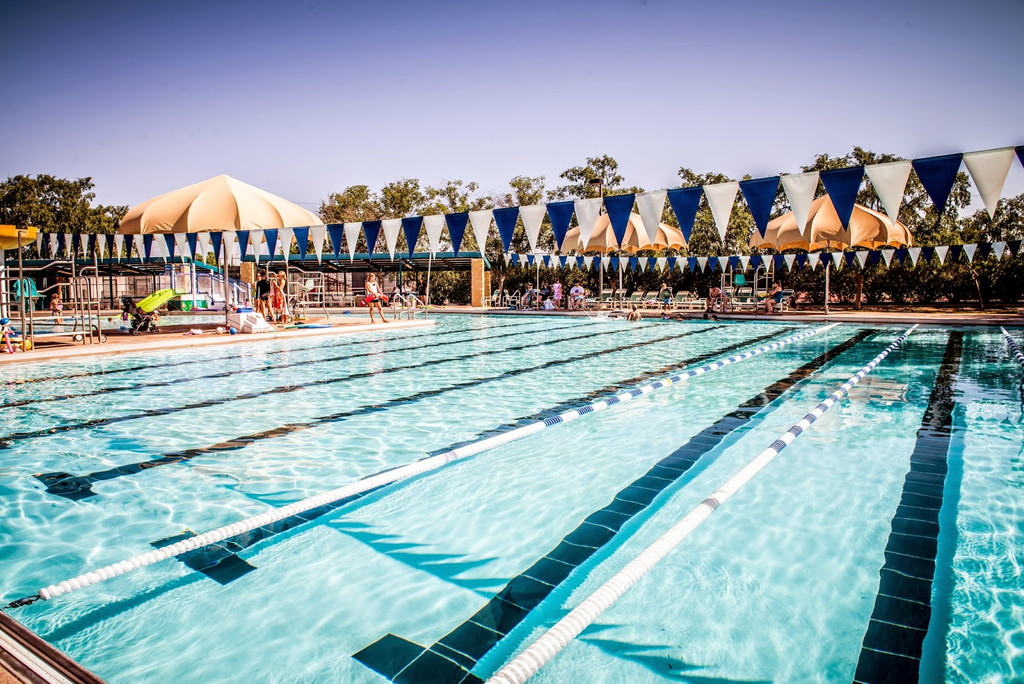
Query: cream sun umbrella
824, 231
603, 238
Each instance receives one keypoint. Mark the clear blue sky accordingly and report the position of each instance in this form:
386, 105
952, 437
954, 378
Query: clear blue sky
303, 99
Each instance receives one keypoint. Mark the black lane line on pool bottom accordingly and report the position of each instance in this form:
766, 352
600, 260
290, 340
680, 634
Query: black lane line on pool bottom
221, 561
452, 657
76, 487
10, 439
194, 378
891, 650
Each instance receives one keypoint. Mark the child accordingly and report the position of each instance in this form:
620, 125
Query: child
57, 309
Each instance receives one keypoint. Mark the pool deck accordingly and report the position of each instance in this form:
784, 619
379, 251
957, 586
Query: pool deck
346, 321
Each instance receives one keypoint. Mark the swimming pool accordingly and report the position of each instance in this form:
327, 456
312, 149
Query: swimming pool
842, 557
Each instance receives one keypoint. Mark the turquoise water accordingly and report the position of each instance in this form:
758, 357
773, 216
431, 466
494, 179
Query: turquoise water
779, 585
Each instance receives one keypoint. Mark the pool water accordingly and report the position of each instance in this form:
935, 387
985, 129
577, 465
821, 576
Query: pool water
887, 538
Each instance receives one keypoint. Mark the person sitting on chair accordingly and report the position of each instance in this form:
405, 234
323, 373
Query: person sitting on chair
774, 299
716, 299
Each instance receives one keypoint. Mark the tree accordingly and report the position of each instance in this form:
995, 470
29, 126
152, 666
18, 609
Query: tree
579, 186
56, 205
354, 203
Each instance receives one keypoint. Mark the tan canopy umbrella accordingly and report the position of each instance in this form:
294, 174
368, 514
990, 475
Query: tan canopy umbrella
603, 238
220, 203
867, 228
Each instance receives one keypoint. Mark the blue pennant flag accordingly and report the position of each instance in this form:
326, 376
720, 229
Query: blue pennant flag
411, 227
147, 246
780, 261
842, 186
712, 264
506, 222
691, 262
76, 244
734, 262
901, 255
215, 240
580, 263
984, 249
560, 214
937, 175
954, 253
457, 228
515, 260
169, 241
755, 261
62, 241
633, 263
110, 246
271, 235
529, 260
850, 258
371, 229
619, 208
1020, 154
336, 230
760, 196
801, 260
927, 253
613, 263
1013, 245
193, 242
92, 243
302, 240
684, 202
243, 243
874, 256
129, 243
561, 261
671, 263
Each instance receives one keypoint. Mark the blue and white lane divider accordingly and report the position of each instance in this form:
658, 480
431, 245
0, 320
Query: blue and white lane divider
400, 473
548, 644
1014, 349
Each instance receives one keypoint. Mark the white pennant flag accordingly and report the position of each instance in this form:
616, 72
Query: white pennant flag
508, 258
998, 248
284, 241
745, 262
989, 169
352, 230
814, 260
317, 234
890, 182
481, 223
887, 255
701, 263
39, 242
255, 243
662, 262
434, 225
941, 253
914, 253
651, 205
588, 262
118, 245
606, 262
391, 228
969, 251
533, 216
723, 263
789, 259
587, 213
53, 244
202, 246
862, 257
721, 197
800, 189
837, 259
159, 248
181, 245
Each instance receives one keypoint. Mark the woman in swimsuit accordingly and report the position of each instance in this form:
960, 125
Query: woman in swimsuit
374, 297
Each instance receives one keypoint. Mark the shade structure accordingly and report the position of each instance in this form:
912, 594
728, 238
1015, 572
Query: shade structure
867, 228
603, 238
220, 203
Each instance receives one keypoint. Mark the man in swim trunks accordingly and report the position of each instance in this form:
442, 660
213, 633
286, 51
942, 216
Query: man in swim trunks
263, 305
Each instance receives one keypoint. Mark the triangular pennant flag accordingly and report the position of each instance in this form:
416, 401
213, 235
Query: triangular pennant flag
927, 253
39, 242
619, 208
890, 183
723, 262
193, 245
954, 253
842, 186
721, 197
216, 239
691, 263
317, 233
561, 216
989, 169
533, 216
940, 251
505, 220
76, 244
515, 258
789, 259
391, 228
998, 248
481, 222
937, 175
901, 255
914, 253
837, 259
1013, 246
744, 262
873, 257
701, 263
969, 250
887, 255
802, 260
352, 229
651, 205
118, 245
204, 245
546, 260
660, 262
301, 240
581, 263
411, 226
849, 258
1020, 154
181, 244
434, 225
634, 262
285, 237
529, 260
271, 236
588, 262
457, 229
147, 246
562, 260
371, 230
606, 262
256, 243
671, 263
685, 202
754, 260
53, 245
734, 263
92, 244
760, 196
587, 212
862, 257
336, 230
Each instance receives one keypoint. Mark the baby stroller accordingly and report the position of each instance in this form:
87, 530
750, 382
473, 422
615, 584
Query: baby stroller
142, 321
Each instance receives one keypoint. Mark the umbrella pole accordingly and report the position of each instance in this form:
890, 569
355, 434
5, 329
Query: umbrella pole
828, 268
224, 249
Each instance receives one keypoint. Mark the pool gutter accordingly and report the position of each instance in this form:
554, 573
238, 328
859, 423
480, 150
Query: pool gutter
27, 658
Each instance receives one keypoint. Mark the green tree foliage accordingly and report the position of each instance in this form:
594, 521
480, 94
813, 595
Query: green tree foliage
56, 205
579, 185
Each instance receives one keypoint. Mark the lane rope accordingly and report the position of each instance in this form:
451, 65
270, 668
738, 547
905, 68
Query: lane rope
548, 644
388, 477
1014, 349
